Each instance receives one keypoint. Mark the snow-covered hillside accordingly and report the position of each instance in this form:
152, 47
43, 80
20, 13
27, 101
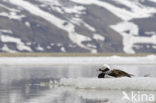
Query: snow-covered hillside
78, 26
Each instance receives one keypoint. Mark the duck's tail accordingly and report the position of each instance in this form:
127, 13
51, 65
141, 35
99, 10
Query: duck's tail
131, 75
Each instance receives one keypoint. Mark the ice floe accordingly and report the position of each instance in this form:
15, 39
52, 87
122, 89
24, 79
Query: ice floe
139, 83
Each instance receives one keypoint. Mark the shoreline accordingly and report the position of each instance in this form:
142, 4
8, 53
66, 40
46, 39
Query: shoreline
142, 60
71, 54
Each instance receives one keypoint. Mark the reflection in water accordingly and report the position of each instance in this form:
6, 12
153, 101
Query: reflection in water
29, 84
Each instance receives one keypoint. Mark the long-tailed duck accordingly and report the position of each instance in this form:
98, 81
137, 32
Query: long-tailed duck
105, 70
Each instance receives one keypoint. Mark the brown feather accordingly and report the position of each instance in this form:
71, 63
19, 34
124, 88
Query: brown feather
119, 73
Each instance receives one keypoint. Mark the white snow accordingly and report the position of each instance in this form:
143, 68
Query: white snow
48, 47
20, 45
131, 38
12, 15
153, 1
6, 31
138, 10
89, 27
126, 26
10, 9
27, 24
98, 37
39, 48
52, 2
6, 49
111, 83
75, 9
151, 59
91, 45
63, 49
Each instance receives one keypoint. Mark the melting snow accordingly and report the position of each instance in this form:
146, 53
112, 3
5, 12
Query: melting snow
98, 37
10, 9
28, 24
20, 45
89, 27
12, 15
6, 31
75, 9
6, 49
153, 0
48, 47
39, 48
63, 49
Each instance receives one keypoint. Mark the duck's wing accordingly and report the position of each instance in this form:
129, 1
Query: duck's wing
120, 73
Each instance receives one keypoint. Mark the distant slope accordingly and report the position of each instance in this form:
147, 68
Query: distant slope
95, 26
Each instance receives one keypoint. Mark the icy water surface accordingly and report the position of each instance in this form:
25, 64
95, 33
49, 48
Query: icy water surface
30, 84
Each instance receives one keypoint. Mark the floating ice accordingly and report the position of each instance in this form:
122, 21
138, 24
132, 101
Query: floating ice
140, 83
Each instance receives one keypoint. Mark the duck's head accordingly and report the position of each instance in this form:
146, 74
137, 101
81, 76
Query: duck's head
104, 68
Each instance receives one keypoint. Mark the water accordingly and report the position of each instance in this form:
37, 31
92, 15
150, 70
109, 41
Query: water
30, 84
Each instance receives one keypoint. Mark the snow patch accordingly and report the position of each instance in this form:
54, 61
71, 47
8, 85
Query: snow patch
20, 45
98, 37
6, 49
12, 15
48, 47
63, 49
10, 9
27, 24
75, 9
6, 31
91, 46
129, 31
89, 27
39, 48
153, 1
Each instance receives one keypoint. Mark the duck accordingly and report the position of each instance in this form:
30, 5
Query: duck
105, 70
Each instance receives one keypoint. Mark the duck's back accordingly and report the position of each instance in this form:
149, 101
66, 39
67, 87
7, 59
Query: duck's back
119, 73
